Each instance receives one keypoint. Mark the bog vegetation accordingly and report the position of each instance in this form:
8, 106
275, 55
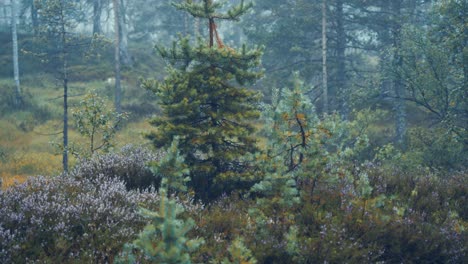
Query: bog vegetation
323, 131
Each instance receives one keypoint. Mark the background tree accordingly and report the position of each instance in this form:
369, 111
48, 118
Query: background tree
324, 57
117, 55
32, 7
14, 34
59, 18
204, 100
98, 6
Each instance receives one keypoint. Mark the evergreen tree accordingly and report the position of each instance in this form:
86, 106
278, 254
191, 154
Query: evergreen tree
172, 169
59, 19
164, 239
204, 100
239, 254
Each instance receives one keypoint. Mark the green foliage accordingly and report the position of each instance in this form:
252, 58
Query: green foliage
239, 254
32, 113
164, 240
220, 223
204, 101
208, 9
97, 123
172, 169
292, 118
435, 69
437, 148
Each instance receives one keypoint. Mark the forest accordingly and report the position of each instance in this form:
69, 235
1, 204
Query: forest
216, 131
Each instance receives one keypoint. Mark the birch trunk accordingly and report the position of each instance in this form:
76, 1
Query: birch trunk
14, 33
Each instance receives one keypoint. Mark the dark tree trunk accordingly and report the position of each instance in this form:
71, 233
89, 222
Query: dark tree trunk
384, 36
125, 57
398, 87
341, 85
34, 18
324, 57
118, 88
97, 11
65, 124
65, 92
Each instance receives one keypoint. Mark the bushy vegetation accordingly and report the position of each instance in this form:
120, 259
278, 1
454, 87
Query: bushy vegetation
131, 165
64, 219
227, 177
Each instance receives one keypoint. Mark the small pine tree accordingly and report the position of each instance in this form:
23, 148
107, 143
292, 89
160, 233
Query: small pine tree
292, 118
164, 239
239, 254
204, 100
172, 169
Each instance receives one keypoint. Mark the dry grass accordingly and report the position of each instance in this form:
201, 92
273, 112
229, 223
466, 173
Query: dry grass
10, 180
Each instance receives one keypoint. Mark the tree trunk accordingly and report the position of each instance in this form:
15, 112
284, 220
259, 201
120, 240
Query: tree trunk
34, 18
212, 29
18, 99
465, 55
385, 40
342, 89
398, 87
125, 56
65, 92
97, 11
5, 15
196, 26
65, 121
118, 88
324, 57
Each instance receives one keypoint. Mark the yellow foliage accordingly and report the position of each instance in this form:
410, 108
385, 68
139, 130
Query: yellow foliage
31, 163
10, 180
300, 116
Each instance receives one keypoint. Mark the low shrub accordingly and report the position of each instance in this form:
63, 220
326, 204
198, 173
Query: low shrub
65, 219
130, 164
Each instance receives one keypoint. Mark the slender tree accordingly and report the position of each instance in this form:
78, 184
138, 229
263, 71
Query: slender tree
32, 6
59, 18
340, 90
97, 11
324, 57
205, 102
18, 97
117, 51
398, 88
125, 56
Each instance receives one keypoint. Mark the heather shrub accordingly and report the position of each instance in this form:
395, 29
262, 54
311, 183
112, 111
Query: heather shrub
130, 164
65, 219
